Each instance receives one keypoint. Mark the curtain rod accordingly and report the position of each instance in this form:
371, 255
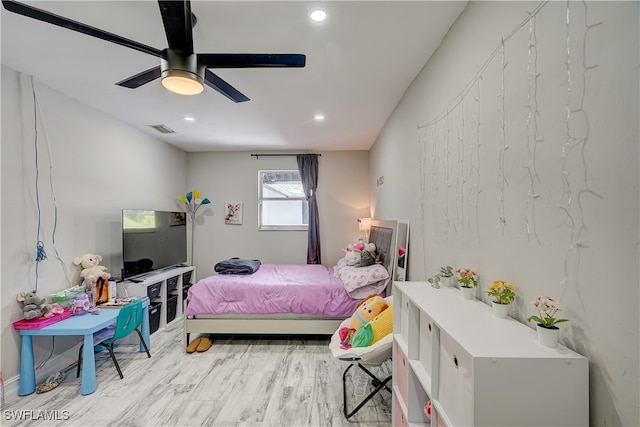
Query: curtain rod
280, 155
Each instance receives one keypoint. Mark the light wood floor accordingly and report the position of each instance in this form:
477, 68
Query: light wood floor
239, 381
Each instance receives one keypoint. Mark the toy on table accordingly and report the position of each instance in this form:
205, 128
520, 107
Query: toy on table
82, 305
94, 277
366, 310
91, 268
33, 307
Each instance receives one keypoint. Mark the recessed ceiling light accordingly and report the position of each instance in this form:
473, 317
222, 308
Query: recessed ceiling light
188, 119
318, 117
318, 15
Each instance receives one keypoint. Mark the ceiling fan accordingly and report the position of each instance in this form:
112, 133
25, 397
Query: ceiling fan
182, 71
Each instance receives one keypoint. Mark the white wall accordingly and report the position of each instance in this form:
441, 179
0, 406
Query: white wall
343, 196
90, 166
582, 240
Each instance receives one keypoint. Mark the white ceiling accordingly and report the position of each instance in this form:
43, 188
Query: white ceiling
359, 63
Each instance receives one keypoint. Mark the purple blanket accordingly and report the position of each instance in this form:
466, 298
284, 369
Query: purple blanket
274, 288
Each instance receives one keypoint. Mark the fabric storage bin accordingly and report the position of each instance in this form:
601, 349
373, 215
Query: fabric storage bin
172, 284
185, 290
154, 316
186, 278
172, 306
154, 290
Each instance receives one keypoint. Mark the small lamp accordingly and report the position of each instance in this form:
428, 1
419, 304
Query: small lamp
364, 224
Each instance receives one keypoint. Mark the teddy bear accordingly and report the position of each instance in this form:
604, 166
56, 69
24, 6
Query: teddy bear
33, 307
92, 270
366, 310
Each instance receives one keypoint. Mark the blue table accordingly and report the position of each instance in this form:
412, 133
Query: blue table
84, 325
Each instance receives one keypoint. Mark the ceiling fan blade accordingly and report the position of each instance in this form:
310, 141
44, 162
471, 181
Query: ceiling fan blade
140, 78
176, 16
43, 15
223, 87
250, 60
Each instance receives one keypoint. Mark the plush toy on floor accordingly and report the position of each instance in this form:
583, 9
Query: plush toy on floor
369, 308
33, 307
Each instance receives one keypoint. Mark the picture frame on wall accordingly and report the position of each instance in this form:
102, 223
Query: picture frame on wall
233, 213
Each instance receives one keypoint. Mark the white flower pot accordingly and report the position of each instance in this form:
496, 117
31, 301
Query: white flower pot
501, 311
467, 293
548, 337
447, 282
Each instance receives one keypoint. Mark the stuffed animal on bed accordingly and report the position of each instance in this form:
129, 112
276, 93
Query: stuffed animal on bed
352, 253
366, 310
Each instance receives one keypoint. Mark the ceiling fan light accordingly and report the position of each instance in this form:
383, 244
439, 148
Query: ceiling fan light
183, 83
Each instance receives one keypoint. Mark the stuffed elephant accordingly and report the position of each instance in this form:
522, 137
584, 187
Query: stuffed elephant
33, 306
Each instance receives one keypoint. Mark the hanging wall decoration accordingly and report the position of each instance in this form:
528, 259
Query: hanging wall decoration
233, 213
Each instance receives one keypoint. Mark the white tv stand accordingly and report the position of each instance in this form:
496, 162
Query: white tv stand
161, 278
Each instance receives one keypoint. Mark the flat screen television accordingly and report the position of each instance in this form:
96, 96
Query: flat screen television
152, 240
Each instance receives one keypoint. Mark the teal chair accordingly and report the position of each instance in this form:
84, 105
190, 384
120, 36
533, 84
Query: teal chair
129, 320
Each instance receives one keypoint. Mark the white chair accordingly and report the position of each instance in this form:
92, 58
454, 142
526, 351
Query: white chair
363, 357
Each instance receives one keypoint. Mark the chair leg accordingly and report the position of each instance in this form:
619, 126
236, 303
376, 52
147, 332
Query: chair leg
144, 344
113, 357
79, 361
378, 383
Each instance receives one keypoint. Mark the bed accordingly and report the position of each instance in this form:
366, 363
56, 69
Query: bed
207, 311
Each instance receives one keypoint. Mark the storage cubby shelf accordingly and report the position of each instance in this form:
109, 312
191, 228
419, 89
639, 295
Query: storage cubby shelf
455, 353
163, 278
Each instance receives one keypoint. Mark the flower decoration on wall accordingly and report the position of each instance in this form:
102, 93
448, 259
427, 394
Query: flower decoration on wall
192, 203
502, 292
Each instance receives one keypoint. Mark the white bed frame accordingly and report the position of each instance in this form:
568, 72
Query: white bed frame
291, 324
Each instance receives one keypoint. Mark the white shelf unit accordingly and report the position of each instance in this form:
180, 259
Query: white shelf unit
476, 369
129, 288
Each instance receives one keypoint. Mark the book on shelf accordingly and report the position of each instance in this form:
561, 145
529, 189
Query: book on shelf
119, 302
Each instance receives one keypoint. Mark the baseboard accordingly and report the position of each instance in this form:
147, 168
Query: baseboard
56, 364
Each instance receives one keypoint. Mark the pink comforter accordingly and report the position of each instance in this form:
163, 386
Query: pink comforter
274, 288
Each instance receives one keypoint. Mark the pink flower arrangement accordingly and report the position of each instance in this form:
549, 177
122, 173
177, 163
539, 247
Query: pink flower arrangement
467, 278
547, 308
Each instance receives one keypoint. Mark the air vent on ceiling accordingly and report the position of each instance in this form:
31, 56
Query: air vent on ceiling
162, 128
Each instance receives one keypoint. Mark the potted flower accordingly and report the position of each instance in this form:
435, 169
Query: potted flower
503, 294
444, 275
468, 281
546, 321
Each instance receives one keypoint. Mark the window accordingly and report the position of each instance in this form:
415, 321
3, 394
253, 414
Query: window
282, 204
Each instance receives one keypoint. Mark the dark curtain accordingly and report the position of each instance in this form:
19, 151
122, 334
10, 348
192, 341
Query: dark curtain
308, 167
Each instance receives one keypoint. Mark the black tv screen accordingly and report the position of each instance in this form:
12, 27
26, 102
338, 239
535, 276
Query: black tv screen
152, 240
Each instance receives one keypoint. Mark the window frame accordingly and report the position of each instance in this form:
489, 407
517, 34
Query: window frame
261, 199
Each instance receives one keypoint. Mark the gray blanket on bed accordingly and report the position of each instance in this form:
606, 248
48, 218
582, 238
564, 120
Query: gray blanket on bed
237, 266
